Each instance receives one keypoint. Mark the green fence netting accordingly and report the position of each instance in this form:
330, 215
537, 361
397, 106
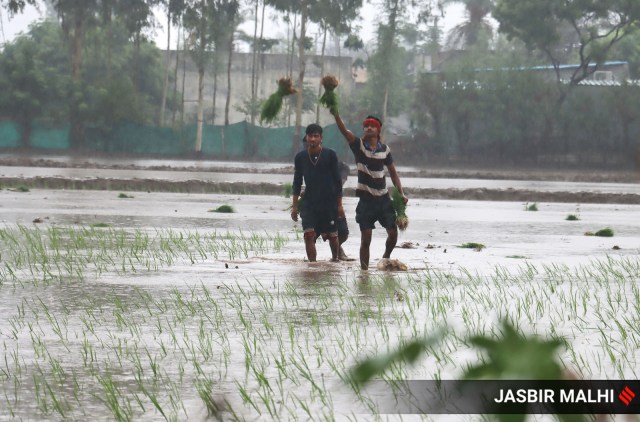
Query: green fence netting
9, 135
239, 140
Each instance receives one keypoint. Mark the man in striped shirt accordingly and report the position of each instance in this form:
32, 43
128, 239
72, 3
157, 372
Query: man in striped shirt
371, 157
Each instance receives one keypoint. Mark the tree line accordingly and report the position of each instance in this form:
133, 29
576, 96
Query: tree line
95, 66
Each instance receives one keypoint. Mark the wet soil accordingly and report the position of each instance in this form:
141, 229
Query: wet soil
203, 186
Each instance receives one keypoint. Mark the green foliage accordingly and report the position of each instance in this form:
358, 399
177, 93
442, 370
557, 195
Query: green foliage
33, 78
100, 225
473, 245
515, 356
544, 25
22, 188
271, 107
606, 232
407, 352
223, 209
572, 217
402, 221
124, 196
288, 190
531, 207
330, 99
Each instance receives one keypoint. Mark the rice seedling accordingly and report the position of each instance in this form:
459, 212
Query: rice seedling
223, 209
606, 232
125, 196
572, 217
531, 207
402, 221
330, 99
287, 190
279, 345
473, 245
271, 107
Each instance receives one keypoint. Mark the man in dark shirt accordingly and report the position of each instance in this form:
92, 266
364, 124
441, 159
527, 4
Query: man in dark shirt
371, 157
322, 203
341, 222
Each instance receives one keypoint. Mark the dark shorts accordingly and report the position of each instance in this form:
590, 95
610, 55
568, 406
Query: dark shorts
380, 210
341, 226
321, 220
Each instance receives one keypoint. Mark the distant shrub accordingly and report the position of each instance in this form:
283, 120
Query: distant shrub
473, 245
223, 208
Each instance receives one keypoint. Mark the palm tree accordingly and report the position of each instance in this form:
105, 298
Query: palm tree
476, 30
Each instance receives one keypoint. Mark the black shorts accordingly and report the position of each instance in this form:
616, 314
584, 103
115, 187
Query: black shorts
381, 210
322, 220
341, 226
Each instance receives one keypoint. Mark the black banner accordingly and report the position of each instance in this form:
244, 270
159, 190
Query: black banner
506, 397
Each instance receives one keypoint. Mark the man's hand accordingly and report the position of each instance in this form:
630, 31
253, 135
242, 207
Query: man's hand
294, 213
404, 198
341, 211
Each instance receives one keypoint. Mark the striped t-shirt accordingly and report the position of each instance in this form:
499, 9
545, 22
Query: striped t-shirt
371, 173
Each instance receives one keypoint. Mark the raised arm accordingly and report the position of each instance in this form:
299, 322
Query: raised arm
348, 135
393, 174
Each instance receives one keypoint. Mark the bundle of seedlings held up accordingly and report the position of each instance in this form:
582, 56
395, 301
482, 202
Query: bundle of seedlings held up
272, 106
402, 221
330, 99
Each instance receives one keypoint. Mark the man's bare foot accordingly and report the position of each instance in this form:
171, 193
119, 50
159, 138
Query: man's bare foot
343, 256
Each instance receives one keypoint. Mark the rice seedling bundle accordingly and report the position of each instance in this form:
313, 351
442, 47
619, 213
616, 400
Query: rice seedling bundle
402, 221
330, 99
272, 106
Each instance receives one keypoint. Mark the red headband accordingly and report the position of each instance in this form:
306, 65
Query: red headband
371, 122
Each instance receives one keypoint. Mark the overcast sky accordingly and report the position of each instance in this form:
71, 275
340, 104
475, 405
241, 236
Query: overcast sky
11, 26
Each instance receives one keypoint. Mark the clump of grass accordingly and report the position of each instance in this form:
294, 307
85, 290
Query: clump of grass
330, 99
22, 188
606, 232
402, 221
517, 257
572, 217
271, 107
223, 208
532, 207
288, 190
473, 245
124, 195
100, 225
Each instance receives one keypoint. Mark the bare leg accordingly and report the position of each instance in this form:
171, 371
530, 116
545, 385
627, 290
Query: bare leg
310, 245
334, 245
392, 239
365, 242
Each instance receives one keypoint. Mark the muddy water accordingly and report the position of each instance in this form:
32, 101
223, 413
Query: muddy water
269, 328
280, 179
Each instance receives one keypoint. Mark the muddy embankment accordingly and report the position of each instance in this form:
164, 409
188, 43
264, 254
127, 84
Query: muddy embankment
266, 188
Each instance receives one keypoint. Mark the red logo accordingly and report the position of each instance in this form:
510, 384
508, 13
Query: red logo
627, 395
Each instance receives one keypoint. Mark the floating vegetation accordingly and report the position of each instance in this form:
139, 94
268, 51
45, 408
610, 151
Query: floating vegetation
223, 209
531, 207
606, 232
100, 225
572, 217
125, 196
473, 245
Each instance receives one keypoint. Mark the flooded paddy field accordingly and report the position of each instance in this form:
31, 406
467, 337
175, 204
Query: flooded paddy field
152, 307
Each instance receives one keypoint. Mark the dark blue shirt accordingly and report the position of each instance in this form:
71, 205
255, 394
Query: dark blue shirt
321, 174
